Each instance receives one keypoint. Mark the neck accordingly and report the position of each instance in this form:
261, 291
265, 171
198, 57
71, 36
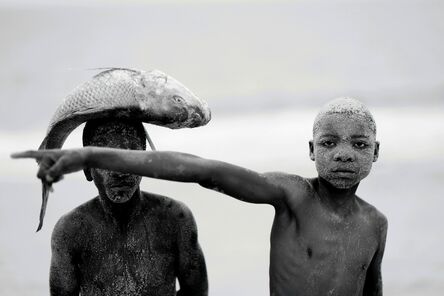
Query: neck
121, 213
341, 201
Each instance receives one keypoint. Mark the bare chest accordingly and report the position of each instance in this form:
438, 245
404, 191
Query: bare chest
136, 260
312, 251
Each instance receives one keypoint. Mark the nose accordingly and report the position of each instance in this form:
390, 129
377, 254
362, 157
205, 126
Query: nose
344, 155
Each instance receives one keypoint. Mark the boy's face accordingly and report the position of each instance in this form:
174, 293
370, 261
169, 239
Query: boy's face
117, 187
344, 148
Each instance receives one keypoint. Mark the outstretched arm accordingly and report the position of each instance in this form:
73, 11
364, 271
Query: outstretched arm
230, 179
373, 281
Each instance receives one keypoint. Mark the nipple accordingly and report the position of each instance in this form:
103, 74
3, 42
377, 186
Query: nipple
309, 252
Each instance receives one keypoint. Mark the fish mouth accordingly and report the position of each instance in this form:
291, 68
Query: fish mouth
199, 117
196, 117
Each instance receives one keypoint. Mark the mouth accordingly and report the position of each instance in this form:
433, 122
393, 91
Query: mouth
122, 186
345, 171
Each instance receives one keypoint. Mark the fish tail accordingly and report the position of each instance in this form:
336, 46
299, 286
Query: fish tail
46, 188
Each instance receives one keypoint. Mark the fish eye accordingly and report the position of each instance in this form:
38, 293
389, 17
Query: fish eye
178, 99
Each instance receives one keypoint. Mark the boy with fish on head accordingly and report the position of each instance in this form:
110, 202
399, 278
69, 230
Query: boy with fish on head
124, 241
325, 240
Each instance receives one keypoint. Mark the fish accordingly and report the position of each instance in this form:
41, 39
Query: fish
149, 96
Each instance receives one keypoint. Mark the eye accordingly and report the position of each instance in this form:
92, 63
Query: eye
178, 99
328, 143
360, 145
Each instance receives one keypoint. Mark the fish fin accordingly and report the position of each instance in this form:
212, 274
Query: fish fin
46, 188
110, 69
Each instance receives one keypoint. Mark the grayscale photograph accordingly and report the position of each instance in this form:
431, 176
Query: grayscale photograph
221, 147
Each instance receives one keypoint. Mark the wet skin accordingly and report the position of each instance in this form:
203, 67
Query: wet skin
126, 242
325, 240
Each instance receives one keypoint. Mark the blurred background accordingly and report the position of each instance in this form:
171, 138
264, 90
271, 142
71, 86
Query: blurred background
265, 68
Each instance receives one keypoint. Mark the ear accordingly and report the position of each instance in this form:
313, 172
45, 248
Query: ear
88, 174
311, 147
376, 152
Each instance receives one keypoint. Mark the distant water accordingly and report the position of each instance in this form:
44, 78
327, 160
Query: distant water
405, 184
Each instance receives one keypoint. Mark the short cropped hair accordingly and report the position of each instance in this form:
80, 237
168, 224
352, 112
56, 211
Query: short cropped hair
97, 131
347, 106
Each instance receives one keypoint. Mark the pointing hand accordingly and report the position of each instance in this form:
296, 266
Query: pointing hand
54, 163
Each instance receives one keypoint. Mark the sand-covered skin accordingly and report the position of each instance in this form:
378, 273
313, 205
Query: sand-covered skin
348, 106
344, 142
125, 242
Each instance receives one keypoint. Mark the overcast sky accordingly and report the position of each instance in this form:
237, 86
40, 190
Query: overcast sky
241, 56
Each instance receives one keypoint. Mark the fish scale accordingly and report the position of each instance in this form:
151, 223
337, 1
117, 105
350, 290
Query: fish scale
149, 96
94, 95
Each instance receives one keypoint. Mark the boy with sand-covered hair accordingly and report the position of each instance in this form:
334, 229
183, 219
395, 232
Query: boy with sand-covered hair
325, 240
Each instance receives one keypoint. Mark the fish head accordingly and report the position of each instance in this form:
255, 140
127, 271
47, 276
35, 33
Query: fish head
171, 101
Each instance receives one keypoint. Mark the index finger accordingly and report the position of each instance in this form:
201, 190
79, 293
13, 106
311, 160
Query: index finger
29, 154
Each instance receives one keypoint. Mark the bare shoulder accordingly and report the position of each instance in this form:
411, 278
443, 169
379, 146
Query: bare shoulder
289, 181
70, 228
373, 216
169, 208
296, 188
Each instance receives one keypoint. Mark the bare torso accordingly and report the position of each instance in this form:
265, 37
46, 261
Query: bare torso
325, 240
316, 252
127, 256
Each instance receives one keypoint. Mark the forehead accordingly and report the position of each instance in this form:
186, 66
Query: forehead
118, 136
343, 125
